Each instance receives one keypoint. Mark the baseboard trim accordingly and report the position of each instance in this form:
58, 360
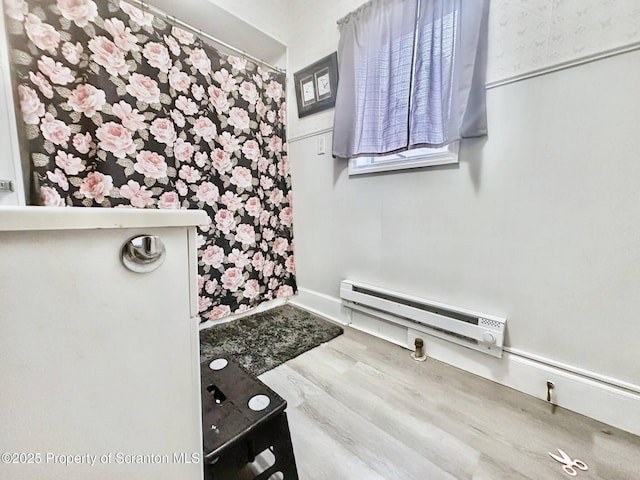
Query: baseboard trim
323, 305
601, 401
268, 305
576, 371
582, 392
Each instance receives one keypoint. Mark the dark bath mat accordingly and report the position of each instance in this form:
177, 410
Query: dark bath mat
264, 340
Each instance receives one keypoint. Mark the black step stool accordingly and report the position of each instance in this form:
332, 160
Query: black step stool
241, 418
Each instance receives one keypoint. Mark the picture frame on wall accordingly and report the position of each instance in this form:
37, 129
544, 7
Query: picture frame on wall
316, 86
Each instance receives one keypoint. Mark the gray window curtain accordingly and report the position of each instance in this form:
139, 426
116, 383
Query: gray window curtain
412, 74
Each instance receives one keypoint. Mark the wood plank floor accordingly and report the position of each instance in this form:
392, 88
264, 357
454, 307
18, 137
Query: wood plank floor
360, 408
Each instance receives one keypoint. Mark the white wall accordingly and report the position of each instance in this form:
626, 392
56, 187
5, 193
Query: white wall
538, 223
272, 16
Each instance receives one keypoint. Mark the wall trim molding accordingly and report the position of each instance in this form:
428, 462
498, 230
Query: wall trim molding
608, 400
632, 47
309, 135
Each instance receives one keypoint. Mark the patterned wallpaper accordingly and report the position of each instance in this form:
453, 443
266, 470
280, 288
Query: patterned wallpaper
526, 35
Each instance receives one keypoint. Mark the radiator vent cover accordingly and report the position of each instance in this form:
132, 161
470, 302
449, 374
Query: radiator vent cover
472, 329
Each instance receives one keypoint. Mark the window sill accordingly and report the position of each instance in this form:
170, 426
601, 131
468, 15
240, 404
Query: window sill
418, 159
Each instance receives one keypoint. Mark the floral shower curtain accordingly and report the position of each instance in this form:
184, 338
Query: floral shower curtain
122, 109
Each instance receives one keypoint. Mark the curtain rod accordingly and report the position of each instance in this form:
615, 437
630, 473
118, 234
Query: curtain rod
160, 13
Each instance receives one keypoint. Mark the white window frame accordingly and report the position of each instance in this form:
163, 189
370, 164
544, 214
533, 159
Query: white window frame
416, 158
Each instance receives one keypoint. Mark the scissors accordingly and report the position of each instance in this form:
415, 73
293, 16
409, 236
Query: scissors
569, 466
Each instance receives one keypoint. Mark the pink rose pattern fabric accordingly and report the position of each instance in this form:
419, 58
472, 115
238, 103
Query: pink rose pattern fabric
124, 110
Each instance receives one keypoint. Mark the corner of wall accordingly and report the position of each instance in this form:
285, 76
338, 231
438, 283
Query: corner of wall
323, 305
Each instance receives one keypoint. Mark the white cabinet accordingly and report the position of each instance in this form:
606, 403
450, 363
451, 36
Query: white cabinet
96, 361
10, 166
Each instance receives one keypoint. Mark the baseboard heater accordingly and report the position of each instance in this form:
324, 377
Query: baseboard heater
476, 330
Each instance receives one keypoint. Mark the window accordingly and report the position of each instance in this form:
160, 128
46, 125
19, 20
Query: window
411, 75
416, 158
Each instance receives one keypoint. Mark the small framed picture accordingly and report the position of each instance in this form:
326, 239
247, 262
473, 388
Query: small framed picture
316, 86
308, 88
